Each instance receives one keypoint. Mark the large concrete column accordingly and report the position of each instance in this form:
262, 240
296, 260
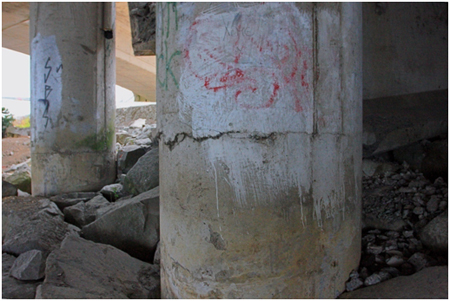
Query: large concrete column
72, 96
259, 108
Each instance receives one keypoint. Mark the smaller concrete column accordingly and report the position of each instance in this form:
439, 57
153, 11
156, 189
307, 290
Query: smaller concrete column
72, 96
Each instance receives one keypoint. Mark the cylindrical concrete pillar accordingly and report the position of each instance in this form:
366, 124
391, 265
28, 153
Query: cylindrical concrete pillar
259, 108
72, 96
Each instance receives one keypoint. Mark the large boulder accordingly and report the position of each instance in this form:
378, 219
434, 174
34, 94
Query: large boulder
31, 223
21, 179
83, 213
71, 198
144, 175
84, 269
8, 189
430, 283
128, 156
435, 234
131, 225
13, 288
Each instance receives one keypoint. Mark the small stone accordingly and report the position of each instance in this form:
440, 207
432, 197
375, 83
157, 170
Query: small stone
382, 237
353, 274
29, 265
443, 205
430, 190
354, 284
391, 245
433, 204
394, 252
418, 210
395, 261
392, 234
379, 259
377, 278
419, 261
408, 234
374, 231
415, 244
374, 249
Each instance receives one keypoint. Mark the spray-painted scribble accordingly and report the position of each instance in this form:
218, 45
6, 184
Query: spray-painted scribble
46, 70
48, 89
164, 59
247, 53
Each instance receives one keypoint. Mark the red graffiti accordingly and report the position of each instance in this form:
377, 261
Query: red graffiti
256, 66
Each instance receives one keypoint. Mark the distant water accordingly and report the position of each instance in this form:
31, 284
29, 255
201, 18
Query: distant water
21, 107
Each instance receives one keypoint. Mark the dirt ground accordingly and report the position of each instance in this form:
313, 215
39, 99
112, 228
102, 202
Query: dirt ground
15, 150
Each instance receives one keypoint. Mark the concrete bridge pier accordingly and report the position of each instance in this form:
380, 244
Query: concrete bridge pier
72, 96
259, 108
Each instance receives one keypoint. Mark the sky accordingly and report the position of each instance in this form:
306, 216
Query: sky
16, 84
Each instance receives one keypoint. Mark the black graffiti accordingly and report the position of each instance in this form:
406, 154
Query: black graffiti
48, 90
49, 71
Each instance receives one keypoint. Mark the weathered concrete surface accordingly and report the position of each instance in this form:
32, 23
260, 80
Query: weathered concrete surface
393, 122
260, 119
430, 283
72, 97
405, 48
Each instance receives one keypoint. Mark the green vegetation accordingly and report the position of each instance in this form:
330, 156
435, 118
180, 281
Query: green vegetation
7, 120
23, 123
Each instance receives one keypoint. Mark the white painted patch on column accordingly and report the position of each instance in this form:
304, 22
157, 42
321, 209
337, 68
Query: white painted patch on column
248, 66
46, 71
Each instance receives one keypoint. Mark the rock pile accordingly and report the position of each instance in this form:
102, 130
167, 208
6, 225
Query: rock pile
405, 221
88, 244
92, 249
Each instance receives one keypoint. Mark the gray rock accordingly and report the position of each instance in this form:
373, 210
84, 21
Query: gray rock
32, 223
420, 261
84, 269
8, 189
395, 261
377, 278
131, 225
373, 168
128, 156
29, 266
374, 249
354, 284
435, 234
72, 198
391, 270
75, 214
13, 288
430, 283
433, 203
418, 211
20, 179
144, 175
372, 221
83, 213
113, 192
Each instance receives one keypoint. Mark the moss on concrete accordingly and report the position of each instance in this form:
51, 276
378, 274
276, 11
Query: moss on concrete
101, 141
